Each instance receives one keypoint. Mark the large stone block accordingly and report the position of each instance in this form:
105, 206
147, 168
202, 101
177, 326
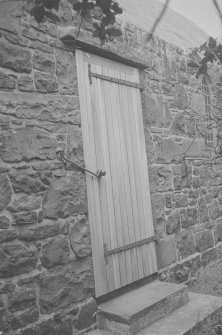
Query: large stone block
157, 205
166, 252
66, 72
62, 288
87, 315
66, 197
80, 239
25, 203
181, 97
168, 151
204, 240
75, 144
156, 112
214, 211
16, 259
27, 144
180, 200
23, 318
185, 243
198, 105
45, 82
4, 222
15, 58
53, 108
203, 213
195, 149
218, 231
173, 223
179, 125
25, 83
5, 191
161, 179
22, 299
43, 62
39, 232
55, 252
25, 218
7, 81
189, 217
30, 182
8, 235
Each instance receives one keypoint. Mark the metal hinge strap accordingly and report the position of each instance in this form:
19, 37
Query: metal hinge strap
112, 79
150, 239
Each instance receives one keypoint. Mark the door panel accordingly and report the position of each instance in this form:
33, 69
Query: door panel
119, 203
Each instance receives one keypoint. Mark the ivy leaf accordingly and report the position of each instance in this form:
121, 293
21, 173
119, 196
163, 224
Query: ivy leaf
212, 43
38, 12
114, 32
52, 4
52, 17
77, 6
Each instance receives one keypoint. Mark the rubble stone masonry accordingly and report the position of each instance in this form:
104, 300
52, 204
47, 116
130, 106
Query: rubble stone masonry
46, 270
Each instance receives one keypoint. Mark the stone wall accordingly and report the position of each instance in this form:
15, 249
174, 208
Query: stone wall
46, 271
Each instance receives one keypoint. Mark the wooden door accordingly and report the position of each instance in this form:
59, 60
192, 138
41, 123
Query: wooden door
119, 203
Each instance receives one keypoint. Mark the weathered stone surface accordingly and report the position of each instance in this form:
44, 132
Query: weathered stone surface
208, 256
180, 200
8, 235
186, 175
5, 191
27, 144
25, 83
205, 175
16, 39
203, 213
156, 112
7, 287
185, 243
160, 227
161, 178
198, 105
25, 218
38, 232
180, 97
66, 72
65, 197
22, 318
7, 81
4, 222
63, 287
15, 259
166, 252
80, 239
15, 58
7, 23
179, 125
25, 203
50, 327
218, 232
157, 205
4, 325
43, 62
87, 314
173, 224
204, 240
22, 299
30, 182
214, 211
45, 82
75, 144
195, 149
55, 252
53, 108
4, 126
189, 218
168, 151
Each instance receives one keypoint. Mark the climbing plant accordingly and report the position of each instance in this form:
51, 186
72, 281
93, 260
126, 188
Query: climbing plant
100, 13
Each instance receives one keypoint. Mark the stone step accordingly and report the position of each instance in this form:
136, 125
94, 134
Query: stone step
135, 310
182, 321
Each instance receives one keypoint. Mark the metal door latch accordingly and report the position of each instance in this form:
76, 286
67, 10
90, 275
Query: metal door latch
61, 157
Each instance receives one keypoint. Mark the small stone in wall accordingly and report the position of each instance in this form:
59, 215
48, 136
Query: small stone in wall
204, 240
4, 222
39, 232
25, 218
8, 235
45, 83
7, 81
25, 203
185, 243
22, 299
80, 239
25, 83
87, 314
14, 57
173, 224
16, 259
43, 62
55, 252
180, 97
5, 191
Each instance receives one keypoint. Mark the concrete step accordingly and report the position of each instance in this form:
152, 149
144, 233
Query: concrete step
185, 319
135, 310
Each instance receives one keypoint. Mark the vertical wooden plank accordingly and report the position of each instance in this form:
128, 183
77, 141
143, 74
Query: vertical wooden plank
92, 183
104, 183
146, 186
114, 147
